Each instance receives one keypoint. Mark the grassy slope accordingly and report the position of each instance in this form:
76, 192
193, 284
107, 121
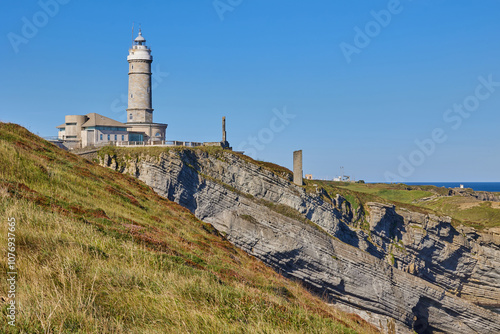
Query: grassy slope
100, 252
463, 210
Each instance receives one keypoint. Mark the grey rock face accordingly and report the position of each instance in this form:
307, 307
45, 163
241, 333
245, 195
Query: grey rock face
409, 266
462, 261
480, 195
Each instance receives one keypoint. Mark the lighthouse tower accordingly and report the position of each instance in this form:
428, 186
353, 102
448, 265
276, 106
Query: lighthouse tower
139, 82
140, 107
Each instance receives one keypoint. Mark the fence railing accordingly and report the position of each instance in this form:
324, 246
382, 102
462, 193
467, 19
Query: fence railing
52, 138
156, 143
136, 143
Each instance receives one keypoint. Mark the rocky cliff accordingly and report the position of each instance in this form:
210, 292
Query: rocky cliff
480, 195
412, 267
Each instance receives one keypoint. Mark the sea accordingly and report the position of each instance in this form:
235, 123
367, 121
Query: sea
477, 186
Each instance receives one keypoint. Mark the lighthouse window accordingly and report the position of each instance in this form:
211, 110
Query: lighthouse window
158, 134
132, 96
132, 66
130, 116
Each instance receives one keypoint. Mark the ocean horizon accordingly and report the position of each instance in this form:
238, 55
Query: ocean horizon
477, 186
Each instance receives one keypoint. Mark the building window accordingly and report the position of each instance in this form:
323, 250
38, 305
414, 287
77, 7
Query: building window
106, 128
123, 137
136, 137
71, 137
70, 124
109, 137
116, 137
158, 134
130, 116
100, 136
132, 96
132, 66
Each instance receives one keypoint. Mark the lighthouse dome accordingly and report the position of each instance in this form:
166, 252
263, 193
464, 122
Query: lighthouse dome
139, 39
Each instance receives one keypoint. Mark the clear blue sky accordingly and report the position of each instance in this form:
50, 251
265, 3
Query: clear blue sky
249, 59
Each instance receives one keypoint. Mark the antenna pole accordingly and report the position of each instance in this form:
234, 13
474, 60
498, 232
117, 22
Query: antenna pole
132, 33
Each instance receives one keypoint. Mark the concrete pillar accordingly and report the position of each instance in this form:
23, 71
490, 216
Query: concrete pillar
224, 129
297, 168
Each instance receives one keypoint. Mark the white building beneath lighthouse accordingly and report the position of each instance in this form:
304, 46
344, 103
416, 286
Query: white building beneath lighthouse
96, 130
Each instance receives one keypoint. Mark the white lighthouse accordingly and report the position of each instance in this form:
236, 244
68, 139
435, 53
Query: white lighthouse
140, 106
139, 82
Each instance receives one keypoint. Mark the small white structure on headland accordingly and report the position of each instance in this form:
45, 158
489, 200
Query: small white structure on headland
342, 177
96, 130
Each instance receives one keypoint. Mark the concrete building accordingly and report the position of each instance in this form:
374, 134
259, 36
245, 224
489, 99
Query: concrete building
93, 128
97, 130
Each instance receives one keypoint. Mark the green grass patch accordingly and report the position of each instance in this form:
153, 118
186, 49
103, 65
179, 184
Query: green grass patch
249, 218
463, 210
468, 211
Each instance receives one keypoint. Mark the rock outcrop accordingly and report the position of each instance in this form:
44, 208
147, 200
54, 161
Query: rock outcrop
414, 268
479, 195
460, 260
